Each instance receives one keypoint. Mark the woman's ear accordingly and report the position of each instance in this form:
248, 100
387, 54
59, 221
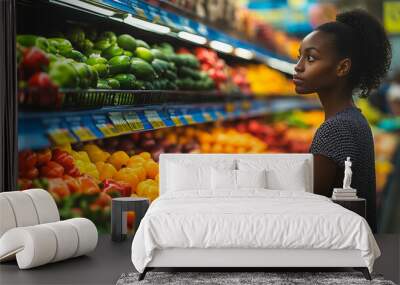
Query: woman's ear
343, 68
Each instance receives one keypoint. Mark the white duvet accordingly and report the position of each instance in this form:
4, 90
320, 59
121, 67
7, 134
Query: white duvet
250, 219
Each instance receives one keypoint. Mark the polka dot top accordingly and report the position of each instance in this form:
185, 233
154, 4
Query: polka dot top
347, 133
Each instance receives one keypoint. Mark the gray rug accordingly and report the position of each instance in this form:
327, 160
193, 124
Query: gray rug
242, 278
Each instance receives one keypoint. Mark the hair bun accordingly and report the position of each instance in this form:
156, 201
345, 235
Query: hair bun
357, 20
374, 50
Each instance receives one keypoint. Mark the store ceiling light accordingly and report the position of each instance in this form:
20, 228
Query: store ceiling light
222, 47
281, 65
148, 26
244, 53
192, 37
86, 6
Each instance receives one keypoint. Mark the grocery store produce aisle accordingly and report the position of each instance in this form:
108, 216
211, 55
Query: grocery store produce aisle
106, 264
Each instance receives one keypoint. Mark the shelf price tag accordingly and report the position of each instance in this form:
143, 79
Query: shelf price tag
246, 105
189, 119
119, 122
134, 121
154, 118
79, 125
220, 115
230, 107
104, 125
176, 121
83, 133
175, 117
61, 136
108, 130
207, 116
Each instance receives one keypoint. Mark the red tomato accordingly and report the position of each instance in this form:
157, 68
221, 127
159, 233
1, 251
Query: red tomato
52, 170
74, 172
31, 173
72, 183
88, 185
59, 187
103, 200
27, 159
43, 156
63, 158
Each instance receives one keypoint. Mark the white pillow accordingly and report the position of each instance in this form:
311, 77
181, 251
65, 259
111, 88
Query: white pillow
220, 163
182, 177
293, 180
251, 178
223, 179
282, 174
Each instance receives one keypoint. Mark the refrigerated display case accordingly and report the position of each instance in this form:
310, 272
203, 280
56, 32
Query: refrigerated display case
98, 89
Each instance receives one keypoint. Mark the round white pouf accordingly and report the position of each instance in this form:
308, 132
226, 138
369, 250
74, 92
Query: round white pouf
33, 246
67, 240
23, 208
45, 205
7, 218
87, 235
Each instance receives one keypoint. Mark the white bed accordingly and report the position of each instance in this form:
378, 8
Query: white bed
249, 227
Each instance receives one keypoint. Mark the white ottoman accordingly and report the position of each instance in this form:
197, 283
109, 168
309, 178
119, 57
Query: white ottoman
31, 231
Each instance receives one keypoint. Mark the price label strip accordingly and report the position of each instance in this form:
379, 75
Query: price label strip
220, 115
119, 122
134, 121
177, 121
230, 107
80, 128
108, 130
61, 136
207, 117
175, 117
105, 127
83, 133
246, 105
189, 119
154, 118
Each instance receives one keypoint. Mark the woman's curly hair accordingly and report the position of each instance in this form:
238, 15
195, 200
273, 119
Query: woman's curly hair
361, 37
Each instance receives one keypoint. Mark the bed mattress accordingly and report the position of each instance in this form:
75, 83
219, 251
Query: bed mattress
250, 219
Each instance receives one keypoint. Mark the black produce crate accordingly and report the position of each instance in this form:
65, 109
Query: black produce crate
88, 99
94, 98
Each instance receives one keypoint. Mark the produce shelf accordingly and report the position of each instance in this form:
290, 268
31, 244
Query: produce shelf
95, 98
156, 20
41, 129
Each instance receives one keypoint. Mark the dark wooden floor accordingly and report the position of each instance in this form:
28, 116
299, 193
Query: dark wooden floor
110, 260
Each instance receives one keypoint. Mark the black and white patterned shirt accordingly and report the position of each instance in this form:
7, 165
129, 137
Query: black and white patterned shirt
348, 133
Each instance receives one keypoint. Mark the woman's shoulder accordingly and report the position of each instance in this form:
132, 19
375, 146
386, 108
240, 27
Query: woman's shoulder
347, 120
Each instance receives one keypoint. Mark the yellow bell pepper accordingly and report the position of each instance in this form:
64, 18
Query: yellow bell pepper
127, 175
106, 170
118, 159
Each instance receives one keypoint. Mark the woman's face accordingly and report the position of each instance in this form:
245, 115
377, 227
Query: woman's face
316, 69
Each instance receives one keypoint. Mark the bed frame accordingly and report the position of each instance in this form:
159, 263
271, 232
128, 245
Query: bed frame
256, 258
250, 258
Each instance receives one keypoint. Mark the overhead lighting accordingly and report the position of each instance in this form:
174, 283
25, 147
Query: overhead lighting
281, 65
220, 46
87, 6
148, 26
244, 53
192, 37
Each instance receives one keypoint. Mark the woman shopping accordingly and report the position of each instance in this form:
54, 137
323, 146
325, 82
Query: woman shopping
340, 60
